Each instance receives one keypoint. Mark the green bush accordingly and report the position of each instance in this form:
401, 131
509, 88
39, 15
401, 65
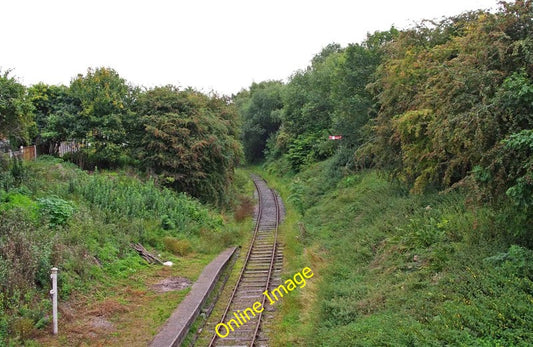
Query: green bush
56, 210
23, 252
6, 178
167, 223
25, 261
517, 260
424, 232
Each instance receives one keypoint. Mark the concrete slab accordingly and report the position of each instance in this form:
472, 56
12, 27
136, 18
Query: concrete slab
177, 326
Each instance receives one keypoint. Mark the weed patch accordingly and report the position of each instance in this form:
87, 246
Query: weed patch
54, 214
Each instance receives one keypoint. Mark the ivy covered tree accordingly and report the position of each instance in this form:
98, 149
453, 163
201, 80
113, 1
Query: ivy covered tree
190, 141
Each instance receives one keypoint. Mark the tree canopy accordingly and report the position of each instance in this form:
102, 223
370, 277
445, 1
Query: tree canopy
55, 115
16, 110
186, 139
105, 102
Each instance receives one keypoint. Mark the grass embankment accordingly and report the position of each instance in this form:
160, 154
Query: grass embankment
398, 269
53, 214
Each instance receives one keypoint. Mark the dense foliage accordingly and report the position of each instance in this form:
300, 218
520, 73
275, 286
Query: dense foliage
15, 110
451, 92
327, 98
55, 116
189, 140
444, 104
105, 102
259, 108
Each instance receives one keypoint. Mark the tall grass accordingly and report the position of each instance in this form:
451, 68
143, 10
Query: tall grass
126, 196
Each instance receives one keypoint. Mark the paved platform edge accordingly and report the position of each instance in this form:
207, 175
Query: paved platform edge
177, 326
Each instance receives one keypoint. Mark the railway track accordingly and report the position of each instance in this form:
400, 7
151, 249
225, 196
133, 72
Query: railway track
261, 271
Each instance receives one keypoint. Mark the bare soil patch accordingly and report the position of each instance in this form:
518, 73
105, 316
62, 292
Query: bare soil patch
171, 284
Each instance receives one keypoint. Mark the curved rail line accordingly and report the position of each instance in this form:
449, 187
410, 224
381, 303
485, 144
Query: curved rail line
256, 275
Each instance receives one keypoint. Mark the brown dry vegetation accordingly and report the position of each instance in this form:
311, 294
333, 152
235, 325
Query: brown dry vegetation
244, 209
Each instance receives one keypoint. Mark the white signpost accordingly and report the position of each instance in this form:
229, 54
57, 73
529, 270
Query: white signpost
53, 292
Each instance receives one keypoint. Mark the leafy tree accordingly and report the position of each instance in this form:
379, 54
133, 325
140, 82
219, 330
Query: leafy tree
520, 146
190, 141
307, 99
330, 97
55, 115
353, 101
105, 100
16, 111
308, 109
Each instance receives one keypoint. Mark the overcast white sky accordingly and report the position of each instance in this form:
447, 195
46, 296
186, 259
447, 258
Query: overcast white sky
220, 45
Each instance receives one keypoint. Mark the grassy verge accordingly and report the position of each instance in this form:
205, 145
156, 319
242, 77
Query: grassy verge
396, 269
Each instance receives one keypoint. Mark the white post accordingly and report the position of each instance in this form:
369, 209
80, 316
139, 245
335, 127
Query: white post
53, 292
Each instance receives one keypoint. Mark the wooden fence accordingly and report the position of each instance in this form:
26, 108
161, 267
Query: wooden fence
26, 153
30, 152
